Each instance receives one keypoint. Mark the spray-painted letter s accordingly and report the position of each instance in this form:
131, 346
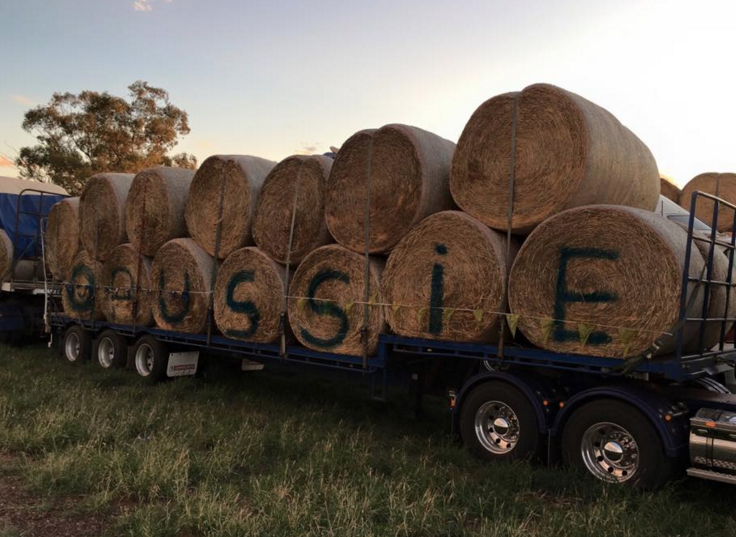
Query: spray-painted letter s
327, 308
246, 307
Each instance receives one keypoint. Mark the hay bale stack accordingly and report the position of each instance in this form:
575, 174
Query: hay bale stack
273, 217
154, 212
722, 185
126, 278
669, 189
326, 306
102, 213
62, 237
613, 271
82, 294
716, 307
409, 173
241, 178
181, 276
6, 255
569, 153
248, 296
446, 279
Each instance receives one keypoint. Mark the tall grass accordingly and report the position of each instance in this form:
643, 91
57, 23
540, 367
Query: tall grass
268, 454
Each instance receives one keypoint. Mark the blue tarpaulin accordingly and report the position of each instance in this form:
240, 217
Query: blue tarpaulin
25, 234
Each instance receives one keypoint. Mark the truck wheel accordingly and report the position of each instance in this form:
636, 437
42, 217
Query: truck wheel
615, 443
77, 344
497, 422
151, 358
111, 350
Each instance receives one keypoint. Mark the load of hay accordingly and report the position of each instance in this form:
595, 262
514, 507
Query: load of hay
154, 211
62, 237
82, 294
446, 279
569, 152
669, 189
408, 171
126, 279
722, 185
181, 276
236, 181
248, 296
6, 255
327, 301
102, 213
604, 281
293, 192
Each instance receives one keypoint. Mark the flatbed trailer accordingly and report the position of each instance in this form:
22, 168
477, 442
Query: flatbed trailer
635, 420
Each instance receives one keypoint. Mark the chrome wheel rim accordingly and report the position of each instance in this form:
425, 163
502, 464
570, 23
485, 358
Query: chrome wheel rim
144, 360
497, 427
610, 452
72, 347
106, 352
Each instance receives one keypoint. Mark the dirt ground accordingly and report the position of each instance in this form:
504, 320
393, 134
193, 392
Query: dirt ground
23, 515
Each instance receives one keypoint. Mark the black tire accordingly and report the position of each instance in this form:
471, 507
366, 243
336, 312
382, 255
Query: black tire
489, 402
77, 345
151, 358
646, 465
110, 350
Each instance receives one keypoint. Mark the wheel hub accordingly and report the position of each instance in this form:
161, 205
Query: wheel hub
497, 427
610, 452
72, 347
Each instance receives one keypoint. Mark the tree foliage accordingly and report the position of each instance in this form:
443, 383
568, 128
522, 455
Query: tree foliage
92, 132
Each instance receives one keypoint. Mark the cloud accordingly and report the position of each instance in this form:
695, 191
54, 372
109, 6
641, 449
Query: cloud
22, 99
309, 148
5, 162
146, 5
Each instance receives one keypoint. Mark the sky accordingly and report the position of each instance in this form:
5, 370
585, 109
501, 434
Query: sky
273, 78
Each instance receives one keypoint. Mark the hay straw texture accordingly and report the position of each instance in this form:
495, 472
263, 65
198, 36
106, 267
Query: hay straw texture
722, 185
442, 271
6, 255
669, 189
272, 221
248, 296
122, 273
62, 237
82, 294
243, 177
154, 212
181, 276
102, 213
607, 267
569, 153
409, 170
326, 310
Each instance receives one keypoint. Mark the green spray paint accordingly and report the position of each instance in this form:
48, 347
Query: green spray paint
244, 307
85, 301
186, 306
437, 296
327, 308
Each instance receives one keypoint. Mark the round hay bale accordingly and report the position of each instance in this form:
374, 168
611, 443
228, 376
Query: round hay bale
669, 189
154, 212
248, 296
243, 177
102, 213
126, 278
82, 295
62, 237
446, 279
611, 273
6, 255
181, 275
326, 305
722, 185
272, 221
569, 153
409, 174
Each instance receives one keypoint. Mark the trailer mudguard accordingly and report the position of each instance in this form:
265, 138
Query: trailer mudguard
536, 388
647, 399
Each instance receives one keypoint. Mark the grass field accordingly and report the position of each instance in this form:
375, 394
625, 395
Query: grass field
271, 455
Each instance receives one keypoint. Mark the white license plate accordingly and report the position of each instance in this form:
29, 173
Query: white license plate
182, 364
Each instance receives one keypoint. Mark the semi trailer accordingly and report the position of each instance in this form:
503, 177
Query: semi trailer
636, 420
